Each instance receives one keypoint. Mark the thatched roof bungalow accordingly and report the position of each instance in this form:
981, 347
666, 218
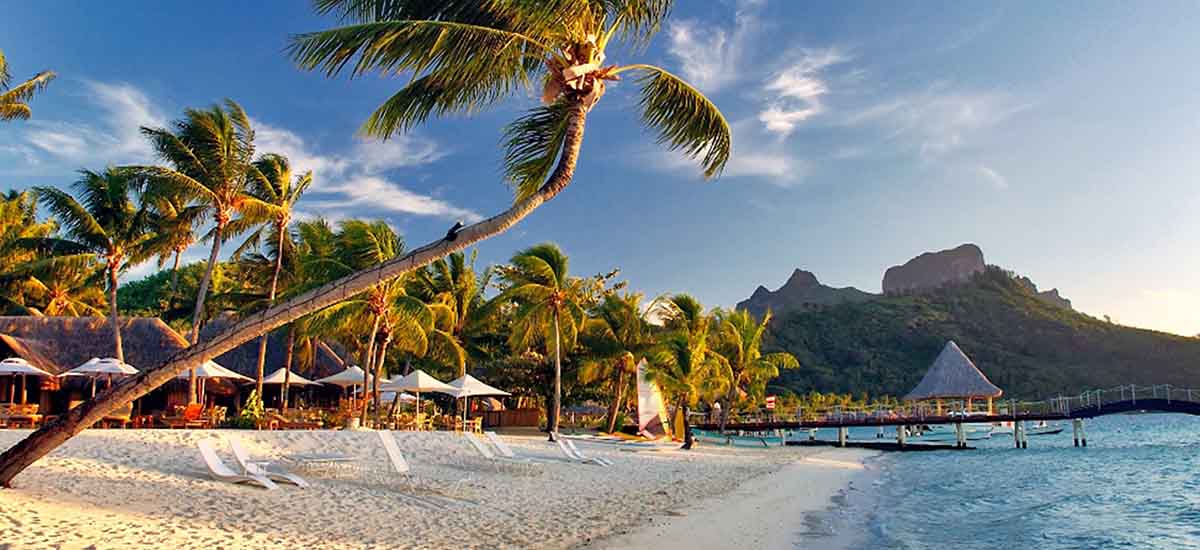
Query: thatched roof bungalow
953, 376
58, 344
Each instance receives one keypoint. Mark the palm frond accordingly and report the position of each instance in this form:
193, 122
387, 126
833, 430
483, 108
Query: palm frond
532, 146
26, 90
685, 119
636, 21
79, 224
460, 68
15, 111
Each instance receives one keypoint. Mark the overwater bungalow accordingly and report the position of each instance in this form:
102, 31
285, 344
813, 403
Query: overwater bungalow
954, 377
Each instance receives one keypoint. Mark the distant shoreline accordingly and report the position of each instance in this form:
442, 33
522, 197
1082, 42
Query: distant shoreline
765, 512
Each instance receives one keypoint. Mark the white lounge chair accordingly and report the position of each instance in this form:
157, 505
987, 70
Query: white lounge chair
573, 456
261, 467
487, 453
599, 460
220, 472
400, 466
502, 448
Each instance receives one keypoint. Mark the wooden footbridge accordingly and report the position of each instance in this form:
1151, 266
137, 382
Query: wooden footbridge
1089, 404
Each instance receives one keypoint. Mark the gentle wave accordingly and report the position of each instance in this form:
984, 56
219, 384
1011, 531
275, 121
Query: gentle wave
1136, 485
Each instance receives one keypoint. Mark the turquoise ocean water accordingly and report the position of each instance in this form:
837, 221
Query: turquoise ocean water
1136, 485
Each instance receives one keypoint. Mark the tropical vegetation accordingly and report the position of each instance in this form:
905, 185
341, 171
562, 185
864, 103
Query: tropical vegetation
462, 56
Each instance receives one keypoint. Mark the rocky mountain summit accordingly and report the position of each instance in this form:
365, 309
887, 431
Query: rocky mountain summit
933, 270
801, 291
924, 273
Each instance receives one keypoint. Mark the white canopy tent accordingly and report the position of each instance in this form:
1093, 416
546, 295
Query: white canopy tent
16, 366
96, 367
351, 377
210, 369
277, 378
468, 386
419, 381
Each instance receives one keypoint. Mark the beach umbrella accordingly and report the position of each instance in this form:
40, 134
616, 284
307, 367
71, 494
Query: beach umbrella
277, 378
468, 386
16, 366
210, 369
96, 367
419, 381
351, 377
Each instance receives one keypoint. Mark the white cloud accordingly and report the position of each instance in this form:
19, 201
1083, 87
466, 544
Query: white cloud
379, 193
937, 122
710, 55
121, 109
356, 179
993, 177
794, 94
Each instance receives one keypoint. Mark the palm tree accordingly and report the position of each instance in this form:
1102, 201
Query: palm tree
739, 340
19, 226
174, 219
13, 98
451, 286
210, 153
684, 366
616, 332
465, 55
546, 310
61, 286
272, 183
108, 226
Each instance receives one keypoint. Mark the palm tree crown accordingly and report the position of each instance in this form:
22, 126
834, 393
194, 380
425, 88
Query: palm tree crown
466, 55
13, 99
107, 225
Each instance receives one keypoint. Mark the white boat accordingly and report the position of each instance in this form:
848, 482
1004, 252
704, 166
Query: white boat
945, 432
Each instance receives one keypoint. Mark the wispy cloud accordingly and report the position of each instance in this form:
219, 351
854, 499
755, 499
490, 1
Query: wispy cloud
795, 93
357, 180
939, 121
121, 109
993, 177
710, 55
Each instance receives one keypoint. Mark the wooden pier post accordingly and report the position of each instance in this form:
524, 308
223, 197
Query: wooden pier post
1016, 434
842, 434
812, 434
901, 435
1082, 434
879, 434
1024, 436
1075, 427
959, 435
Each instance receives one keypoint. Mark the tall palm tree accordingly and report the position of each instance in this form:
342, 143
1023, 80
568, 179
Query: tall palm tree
546, 310
272, 183
684, 365
19, 226
108, 225
210, 152
61, 286
618, 333
13, 98
465, 55
739, 339
451, 286
174, 219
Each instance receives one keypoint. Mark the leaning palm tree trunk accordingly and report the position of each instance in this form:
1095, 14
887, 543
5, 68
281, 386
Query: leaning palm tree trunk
378, 374
55, 433
114, 314
198, 313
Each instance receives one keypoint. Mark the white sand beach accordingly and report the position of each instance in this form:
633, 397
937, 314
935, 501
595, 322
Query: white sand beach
149, 489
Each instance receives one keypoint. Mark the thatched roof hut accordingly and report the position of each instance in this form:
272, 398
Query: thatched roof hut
244, 358
58, 344
953, 376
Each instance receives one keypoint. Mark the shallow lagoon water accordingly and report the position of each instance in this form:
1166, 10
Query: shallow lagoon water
1136, 485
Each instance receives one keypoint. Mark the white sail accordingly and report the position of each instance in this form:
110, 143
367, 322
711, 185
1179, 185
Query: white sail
652, 412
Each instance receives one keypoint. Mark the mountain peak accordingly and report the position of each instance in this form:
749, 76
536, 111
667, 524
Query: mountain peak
801, 279
802, 290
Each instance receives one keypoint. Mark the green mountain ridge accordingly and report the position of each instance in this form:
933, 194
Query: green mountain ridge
1028, 346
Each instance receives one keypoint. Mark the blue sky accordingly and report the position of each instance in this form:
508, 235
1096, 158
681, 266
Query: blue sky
1061, 137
